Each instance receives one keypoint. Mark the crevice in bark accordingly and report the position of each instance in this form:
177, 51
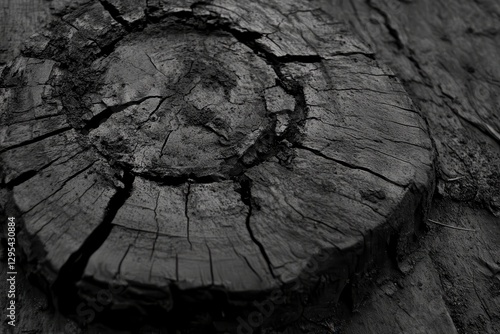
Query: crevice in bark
308, 59
264, 147
157, 229
26, 176
246, 197
65, 285
211, 264
63, 184
346, 164
357, 53
107, 49
392, 31
103, 116
115, 14
168, 180
250, 39
130, 245
478, 124
186, 213
21, 178
36, 139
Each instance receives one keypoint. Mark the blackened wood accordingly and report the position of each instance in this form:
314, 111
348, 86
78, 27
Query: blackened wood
218, 146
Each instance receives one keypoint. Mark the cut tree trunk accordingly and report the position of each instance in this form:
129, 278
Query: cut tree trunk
208, 154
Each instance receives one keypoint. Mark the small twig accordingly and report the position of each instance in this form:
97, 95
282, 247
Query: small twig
453, 179
453, 227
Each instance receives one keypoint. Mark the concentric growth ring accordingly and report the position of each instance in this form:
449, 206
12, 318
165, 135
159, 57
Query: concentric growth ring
222, 146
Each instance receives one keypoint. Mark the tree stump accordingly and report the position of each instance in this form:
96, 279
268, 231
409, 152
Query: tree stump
208, 153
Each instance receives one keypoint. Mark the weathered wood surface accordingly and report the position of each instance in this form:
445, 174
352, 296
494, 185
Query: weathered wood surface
19, 19
446, 55
221, 145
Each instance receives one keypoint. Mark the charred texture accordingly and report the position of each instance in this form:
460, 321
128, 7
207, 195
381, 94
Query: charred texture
103, 116
65, 286
228, 156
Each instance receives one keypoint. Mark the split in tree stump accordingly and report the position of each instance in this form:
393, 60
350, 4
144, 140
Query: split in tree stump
189, 151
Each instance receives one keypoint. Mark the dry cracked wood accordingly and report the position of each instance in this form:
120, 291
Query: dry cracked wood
218, 145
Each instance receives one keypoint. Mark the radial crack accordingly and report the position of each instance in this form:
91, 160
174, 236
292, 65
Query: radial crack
62, 185
246, 197
103, 116
211, 263
130, 245
36, 139
346, 164
157, 225
186, 213
65, 285
115, 14
392, 31
26, 176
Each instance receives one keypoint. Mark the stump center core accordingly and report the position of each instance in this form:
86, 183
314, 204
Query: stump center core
184, 103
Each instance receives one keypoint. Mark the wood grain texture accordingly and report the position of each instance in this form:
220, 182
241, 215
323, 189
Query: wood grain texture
445, 54
19, 19
184, 147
